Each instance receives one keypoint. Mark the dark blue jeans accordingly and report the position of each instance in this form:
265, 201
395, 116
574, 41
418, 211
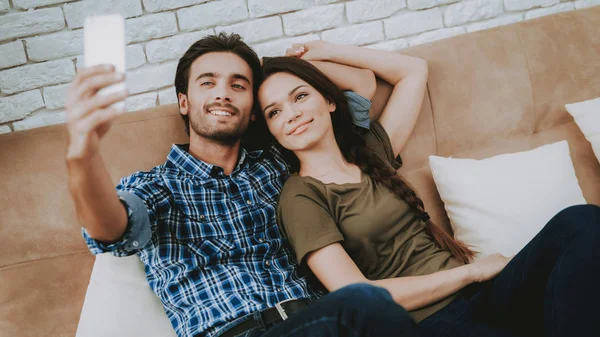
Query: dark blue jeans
550, 288
353, 311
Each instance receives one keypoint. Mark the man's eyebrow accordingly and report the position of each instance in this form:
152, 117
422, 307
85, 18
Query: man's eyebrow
205, 75
241, 77
289, 94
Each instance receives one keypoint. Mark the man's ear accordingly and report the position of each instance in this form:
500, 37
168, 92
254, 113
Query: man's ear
183, 103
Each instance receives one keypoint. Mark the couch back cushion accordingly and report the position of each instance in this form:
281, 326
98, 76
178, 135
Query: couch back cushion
504, 90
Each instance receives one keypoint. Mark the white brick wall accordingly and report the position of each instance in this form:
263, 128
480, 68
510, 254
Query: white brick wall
151, 77
256, 30
76, 12
20, 105
315, 18
26, 4
471, 10
5, 129
41, 40
267, 7
422, 4
365, 33
151, 26
4, 7
55, 96
163, 5
167, 96
134, 57
142, 101
173, 47
517, 5
586, 3
54, 46
367, 10
212, 14
31, 23
13, 54
536, 13
413, 22
36, 75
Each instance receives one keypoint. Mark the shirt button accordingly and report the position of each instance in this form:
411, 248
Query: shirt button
249, 202
261, 240
278, 289
135, 243
268, 263
202, 217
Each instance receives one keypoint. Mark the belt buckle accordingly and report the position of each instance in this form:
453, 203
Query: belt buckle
280, 309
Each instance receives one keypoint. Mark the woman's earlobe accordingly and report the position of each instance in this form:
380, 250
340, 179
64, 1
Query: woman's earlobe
331, 107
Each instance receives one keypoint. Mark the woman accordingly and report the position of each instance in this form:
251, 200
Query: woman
351, 219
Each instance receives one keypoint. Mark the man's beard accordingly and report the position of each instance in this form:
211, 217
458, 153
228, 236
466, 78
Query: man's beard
228, 136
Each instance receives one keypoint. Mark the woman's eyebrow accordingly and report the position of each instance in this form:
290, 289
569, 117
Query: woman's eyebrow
289, 94
296, 88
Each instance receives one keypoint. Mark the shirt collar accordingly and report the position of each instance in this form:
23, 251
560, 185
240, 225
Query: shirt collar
180, 157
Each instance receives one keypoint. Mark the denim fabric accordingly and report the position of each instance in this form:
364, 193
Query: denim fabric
358, 310
550, 288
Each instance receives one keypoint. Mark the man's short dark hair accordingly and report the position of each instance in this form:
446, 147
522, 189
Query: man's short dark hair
222, 42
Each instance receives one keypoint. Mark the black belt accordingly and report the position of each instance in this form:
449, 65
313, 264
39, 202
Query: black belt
280, 312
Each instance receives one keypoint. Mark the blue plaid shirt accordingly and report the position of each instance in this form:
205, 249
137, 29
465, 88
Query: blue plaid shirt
210, 242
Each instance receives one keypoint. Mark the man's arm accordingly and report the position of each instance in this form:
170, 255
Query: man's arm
361, 81
89, 117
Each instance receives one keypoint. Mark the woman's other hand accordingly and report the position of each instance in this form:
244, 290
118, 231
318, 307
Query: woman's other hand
488, 267
316, 50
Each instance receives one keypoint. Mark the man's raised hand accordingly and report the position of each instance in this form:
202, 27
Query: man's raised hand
90, 115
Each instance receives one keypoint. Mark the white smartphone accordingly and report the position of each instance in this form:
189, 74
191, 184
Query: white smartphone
104, 43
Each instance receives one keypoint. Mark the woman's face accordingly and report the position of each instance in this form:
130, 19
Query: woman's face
296, 113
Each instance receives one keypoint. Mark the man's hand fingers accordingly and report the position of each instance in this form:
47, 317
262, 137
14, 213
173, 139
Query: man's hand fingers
79, 94
84, 73
100, 118
98, 102
95, 83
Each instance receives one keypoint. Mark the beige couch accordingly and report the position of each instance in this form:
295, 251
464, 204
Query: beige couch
490, 92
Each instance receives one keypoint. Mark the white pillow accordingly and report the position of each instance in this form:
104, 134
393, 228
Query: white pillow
498, 204
119, 301
587, 117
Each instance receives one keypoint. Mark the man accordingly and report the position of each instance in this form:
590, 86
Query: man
204, 223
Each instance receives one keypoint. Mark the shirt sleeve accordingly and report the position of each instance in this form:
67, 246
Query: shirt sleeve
305, 219
379, 142
140, 196
359, 109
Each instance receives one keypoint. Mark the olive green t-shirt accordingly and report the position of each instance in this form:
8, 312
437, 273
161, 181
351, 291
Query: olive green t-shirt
379, 231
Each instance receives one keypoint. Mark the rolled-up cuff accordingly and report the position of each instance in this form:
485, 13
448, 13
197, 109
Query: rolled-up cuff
137, 235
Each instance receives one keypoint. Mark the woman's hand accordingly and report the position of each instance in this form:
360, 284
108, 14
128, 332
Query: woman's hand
316, 50
488, 267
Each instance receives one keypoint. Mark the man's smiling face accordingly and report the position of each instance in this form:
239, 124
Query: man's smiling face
219, 98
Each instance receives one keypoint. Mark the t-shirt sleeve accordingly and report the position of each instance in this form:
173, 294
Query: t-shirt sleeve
379, 142
359, 109
305, 219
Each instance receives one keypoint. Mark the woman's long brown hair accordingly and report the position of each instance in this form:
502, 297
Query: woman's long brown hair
355, 150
